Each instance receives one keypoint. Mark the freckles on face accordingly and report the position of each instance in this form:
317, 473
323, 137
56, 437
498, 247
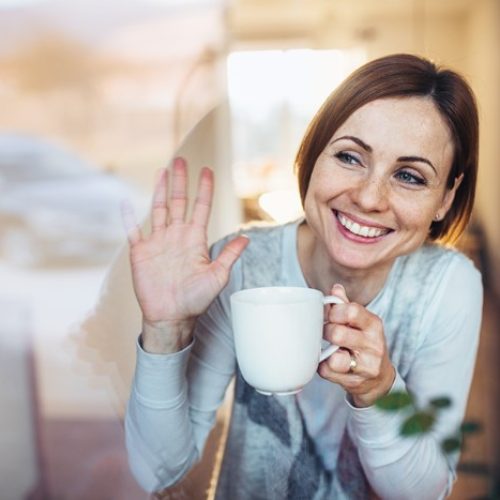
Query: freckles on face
379, 182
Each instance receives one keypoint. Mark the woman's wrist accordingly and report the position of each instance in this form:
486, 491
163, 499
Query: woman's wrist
369, 398
166, 337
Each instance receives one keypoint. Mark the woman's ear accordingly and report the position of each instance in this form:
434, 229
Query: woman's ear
448, 198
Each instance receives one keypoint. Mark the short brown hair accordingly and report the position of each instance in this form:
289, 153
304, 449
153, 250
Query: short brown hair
405, 75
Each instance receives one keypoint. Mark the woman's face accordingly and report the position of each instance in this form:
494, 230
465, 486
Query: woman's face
380, 181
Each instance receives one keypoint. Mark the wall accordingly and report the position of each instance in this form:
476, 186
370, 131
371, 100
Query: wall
483, 62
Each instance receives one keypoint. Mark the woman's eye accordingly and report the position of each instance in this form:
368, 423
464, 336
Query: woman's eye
410, 178
347, 158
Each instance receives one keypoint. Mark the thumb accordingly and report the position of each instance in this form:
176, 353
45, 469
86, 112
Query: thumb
339, 291
231, 252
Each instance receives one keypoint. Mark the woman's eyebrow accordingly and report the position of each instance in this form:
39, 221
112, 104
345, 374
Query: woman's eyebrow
417, 158
357, 140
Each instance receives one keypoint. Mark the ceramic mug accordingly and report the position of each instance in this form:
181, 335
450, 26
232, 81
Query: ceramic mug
278, 335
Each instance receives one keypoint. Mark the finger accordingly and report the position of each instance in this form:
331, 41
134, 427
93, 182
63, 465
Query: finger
339, 291
349, 381
352, 314
230, 254
338, 363
178, 196
203, 203
345, 336
159, 209
132, 228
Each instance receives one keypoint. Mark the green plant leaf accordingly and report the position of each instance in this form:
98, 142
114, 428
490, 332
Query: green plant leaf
439, 403
451, 444
419, 423
394, 401
470, 427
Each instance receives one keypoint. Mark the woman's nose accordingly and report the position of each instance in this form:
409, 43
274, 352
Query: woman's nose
371, 193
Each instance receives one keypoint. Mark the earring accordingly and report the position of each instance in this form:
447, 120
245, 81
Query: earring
437, 217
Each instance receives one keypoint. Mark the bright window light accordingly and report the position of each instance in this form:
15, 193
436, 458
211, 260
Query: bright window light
301, 77
273, 94
282, 205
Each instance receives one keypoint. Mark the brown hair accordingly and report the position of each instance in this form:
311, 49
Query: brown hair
405, 75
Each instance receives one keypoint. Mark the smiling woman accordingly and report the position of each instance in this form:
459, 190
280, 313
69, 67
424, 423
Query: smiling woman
387, 165
378, 186
452, 100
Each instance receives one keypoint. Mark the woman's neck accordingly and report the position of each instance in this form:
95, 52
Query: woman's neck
320, 272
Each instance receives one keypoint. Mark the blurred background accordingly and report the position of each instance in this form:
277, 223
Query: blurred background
95, 96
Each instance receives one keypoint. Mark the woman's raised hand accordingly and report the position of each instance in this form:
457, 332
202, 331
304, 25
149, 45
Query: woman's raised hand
173, 276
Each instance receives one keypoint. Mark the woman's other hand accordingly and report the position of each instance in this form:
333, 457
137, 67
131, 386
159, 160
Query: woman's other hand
360, 334
173, 276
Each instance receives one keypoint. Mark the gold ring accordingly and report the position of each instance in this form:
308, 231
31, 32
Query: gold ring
353, 364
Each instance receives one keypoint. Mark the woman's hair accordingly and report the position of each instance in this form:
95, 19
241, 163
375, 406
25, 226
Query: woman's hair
405, 75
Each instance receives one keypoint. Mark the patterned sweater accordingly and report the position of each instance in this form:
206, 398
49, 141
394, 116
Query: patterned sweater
313, 445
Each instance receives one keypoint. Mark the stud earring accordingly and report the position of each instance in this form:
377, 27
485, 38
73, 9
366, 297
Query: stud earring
437, 217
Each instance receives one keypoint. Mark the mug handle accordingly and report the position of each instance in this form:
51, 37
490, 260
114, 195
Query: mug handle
328, 351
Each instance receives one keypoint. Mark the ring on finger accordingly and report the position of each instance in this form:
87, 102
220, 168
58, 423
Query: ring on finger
353, 364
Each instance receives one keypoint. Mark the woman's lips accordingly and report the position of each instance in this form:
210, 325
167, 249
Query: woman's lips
359, 230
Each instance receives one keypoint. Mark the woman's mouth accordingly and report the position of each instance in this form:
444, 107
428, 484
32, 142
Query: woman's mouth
361, 230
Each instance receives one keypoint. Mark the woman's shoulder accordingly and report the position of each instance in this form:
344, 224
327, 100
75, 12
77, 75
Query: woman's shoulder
453, 294
438, 272
429, 292
435, 259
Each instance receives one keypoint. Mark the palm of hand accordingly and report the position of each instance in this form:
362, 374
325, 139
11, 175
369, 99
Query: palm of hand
174, 278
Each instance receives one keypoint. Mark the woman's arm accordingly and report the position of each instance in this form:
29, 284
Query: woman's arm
175, 281
397, 466
175, 397
158, 431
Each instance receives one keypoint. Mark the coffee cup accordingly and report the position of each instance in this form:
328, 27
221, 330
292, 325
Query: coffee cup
278, 336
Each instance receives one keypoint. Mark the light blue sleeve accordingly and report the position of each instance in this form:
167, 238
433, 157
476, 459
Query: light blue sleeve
175, 397
398, 466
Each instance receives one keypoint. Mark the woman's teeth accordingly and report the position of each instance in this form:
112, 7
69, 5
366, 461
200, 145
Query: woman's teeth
355, 228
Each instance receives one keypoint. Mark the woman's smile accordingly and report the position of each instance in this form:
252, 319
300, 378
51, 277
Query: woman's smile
378, 184
359, 230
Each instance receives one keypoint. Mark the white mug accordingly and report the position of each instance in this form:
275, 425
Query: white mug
278, 335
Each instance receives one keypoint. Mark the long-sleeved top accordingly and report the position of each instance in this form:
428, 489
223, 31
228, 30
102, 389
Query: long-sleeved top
174, 397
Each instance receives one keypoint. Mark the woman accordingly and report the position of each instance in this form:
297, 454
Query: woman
387, 165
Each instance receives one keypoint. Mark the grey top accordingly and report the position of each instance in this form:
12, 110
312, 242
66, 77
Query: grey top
289, 447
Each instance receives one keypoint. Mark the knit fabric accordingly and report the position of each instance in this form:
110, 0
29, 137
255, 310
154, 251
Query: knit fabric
269, 454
